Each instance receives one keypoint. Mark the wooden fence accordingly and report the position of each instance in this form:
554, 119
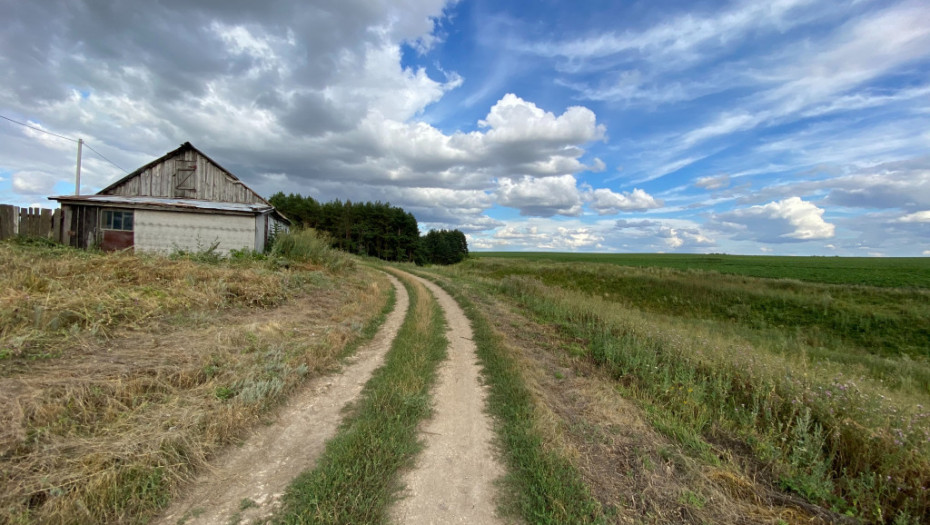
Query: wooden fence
34, 222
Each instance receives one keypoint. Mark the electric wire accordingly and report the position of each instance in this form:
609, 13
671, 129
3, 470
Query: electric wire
38, 129
104, 158
66, 138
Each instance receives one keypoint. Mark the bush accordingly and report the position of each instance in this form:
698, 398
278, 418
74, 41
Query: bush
308, 245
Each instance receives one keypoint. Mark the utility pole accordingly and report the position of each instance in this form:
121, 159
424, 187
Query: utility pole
77, 174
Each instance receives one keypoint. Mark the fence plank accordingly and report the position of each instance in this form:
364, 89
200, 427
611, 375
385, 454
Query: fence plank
9, 221
36, 222
56, 225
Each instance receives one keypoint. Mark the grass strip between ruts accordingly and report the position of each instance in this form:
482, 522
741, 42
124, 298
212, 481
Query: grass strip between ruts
356, 477
544, 487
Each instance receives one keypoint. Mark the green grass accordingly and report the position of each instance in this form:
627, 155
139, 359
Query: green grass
356, 477
832, 440
836, 421
871, 271
865, 320
543, 486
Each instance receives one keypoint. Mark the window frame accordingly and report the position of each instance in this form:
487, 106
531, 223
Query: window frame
110, 222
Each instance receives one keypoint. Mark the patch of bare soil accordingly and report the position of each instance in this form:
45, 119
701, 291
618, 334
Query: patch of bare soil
246, 482
637, 474
453, 479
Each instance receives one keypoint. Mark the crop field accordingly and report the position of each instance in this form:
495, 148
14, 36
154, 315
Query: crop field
871, 271
806, 378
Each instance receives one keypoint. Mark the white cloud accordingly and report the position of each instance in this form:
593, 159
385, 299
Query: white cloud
676, 238
683, 38
544, 235
34, 182
541, 197
715, 182
607, 202
574, 239
788, 220
513, 119
902, 184
861, 51
661, 235
305, 91
920, 216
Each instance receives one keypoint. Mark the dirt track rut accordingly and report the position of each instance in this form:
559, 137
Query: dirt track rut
453, 478
261, 469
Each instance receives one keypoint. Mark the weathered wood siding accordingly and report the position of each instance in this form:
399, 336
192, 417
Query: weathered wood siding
83, 226
173, 179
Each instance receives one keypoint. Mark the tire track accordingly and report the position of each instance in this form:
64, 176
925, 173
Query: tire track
453, 479
247, 482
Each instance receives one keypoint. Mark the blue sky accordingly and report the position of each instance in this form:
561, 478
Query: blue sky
788, 127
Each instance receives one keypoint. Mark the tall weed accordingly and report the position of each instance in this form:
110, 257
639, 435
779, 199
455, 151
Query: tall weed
309, 246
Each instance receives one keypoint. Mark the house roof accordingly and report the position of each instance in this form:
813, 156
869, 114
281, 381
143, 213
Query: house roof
187, 146
156, 203
174, 204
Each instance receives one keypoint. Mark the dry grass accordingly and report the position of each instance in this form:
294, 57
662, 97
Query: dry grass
165, 361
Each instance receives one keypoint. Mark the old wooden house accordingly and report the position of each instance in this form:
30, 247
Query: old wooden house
181, 201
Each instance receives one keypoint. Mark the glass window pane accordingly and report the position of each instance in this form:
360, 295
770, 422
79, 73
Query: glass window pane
127, 221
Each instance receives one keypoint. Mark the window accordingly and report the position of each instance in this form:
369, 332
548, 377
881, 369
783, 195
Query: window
117, 220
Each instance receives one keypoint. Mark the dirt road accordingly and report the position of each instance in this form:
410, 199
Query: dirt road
247, 481
453, 479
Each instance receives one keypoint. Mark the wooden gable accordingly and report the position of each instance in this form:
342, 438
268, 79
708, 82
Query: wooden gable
185, 173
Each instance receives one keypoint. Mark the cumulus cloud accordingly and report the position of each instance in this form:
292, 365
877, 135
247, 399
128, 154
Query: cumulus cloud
661, 235
514, 120
541, 197
312, 99
676, 238
546, 236
788, 220
607, 202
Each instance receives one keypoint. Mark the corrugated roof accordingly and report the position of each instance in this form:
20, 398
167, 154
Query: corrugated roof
177, 204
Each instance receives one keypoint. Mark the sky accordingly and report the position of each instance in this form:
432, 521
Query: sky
784, 127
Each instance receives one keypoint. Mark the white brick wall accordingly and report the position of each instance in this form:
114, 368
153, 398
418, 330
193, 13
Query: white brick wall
165, 231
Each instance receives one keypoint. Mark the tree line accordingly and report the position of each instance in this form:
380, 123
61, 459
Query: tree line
374, 229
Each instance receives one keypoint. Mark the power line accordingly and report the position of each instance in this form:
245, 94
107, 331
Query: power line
66, 138
38, 129
104, 158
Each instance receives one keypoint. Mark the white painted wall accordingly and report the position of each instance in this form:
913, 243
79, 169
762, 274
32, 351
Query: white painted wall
165, 231
261, 225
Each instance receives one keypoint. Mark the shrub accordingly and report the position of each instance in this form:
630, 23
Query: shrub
309, 246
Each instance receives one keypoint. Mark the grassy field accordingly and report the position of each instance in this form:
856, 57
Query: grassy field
651, 389
871, 271
819, 386
122, 374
